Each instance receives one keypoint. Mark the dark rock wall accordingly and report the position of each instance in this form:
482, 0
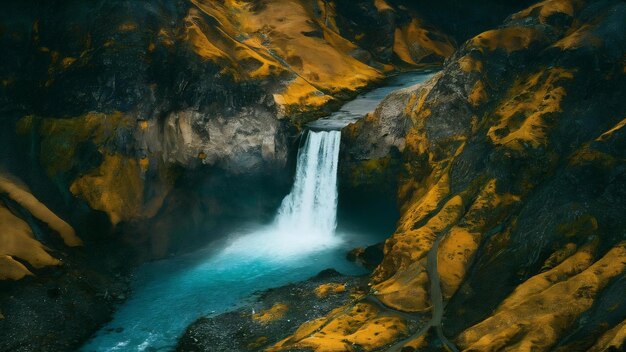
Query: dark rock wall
509, 168
152, 127
147, 124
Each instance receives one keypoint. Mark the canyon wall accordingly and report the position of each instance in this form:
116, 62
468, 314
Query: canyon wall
147, 128
509, 171
113, 107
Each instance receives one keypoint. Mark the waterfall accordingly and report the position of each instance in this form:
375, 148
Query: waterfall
311, 207
307, 217
298, 244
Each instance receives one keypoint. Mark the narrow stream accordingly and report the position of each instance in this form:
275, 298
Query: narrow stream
170, 294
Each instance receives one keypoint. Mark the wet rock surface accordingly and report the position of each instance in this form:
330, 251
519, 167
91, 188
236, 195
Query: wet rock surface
509, 172
162, 89
144, 124
369, 257
153, 127
268, 316
61, 308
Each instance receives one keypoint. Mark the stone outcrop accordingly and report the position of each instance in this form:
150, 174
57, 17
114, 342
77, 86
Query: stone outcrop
19, 242
508, 165
146, 125
503, 162
276, 312
143, 89
509, 168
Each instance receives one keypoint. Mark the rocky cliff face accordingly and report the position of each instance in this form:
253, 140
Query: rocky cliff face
144, 125
510, 183
147, 90
509, 166
132, 124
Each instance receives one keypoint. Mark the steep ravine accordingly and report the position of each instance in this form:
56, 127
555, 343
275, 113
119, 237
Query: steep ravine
138, 130
154, 127
509, 168
165, 90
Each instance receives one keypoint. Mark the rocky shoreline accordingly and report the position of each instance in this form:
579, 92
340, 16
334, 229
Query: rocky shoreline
272, 313
62, 307
145, 130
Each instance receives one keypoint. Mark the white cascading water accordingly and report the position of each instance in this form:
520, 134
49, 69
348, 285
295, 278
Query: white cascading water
311, 207
307, 218
286, 250
170, 294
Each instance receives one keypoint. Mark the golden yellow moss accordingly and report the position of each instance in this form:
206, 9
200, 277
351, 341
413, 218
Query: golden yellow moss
568, 268
460, 244
327, 14
412, 43
559, 256
252, 42
540, 310
256, 343
17, 241
406, 289
115, 187
10, 269
61, 137
400, 280
469, 64
418, 343
241, 60
579, 38
608, 134
307, 329
478, 95
323, 65
300, 93
423, 204
378, 332
127, 26
362, 327
415, 140
510, 39
522, 118
24, 198
612, 340
548, 8
382, 5
428, 210
277, 311
165, 37
323, 290
16, 238
144, 164
588, 155
67, 61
